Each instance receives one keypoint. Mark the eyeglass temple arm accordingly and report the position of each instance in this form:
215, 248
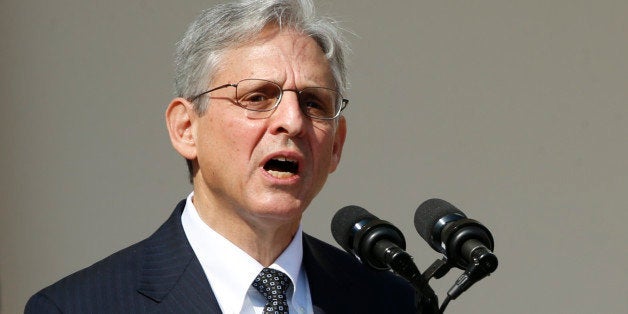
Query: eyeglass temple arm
211, 90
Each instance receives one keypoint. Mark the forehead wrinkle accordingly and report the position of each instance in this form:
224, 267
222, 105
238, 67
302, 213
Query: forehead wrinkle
299, 58
317, 75
247, 61
266, 62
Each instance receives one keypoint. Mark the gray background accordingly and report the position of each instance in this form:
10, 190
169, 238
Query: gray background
514, 111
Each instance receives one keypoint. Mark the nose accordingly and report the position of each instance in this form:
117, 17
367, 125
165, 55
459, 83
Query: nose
288, 117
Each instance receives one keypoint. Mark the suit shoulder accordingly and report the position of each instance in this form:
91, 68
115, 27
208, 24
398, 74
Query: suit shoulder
364, 290
352, 269
133, 279
103, 280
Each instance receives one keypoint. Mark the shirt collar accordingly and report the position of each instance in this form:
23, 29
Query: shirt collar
228, 268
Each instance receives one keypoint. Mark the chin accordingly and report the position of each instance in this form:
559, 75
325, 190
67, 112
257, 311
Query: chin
289, 210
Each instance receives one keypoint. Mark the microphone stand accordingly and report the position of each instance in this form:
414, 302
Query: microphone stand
484, 263
402, 264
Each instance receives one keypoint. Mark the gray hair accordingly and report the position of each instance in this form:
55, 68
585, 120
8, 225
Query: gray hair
225, 26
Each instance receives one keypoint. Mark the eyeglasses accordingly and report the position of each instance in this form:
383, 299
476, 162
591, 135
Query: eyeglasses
260, 97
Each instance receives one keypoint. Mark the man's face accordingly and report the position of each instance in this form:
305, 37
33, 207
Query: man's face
266, 169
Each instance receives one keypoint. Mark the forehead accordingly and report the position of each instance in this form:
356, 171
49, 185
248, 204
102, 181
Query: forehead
283, 56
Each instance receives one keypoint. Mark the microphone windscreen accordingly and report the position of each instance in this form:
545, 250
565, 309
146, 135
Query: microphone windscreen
343, 222
428, 214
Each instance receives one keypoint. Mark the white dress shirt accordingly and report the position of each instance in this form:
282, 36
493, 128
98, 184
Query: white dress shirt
231, 271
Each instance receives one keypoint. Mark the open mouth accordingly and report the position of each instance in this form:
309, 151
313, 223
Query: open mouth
282, 167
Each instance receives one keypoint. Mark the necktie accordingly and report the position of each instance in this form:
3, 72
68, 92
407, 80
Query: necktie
273, 285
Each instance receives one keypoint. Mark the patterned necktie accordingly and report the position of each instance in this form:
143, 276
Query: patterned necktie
273, 285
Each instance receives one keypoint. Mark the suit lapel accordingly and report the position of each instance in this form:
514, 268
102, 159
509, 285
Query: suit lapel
171, 274
326, 282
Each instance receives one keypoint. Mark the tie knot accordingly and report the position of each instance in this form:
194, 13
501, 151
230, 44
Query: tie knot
273, 285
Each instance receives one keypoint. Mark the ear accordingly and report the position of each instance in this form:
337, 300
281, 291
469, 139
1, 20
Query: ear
180, 116
339, 142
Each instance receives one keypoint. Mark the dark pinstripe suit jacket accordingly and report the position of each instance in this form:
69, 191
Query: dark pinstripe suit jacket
162, 275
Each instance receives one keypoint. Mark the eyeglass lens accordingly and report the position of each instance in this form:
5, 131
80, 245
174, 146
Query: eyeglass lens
260, 96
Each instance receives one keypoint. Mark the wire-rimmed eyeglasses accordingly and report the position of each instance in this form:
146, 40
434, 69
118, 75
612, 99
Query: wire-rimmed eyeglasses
260, 97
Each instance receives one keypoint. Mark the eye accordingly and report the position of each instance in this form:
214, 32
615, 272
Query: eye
255, 97
261, 99
316, 104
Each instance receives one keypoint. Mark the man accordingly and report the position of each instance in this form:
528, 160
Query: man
257, 116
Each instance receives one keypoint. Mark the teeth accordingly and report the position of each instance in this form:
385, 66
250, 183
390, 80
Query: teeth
280, 174
285, 159
282, 167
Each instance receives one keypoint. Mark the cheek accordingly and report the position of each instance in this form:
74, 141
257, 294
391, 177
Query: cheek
323, 148
216, 136
238, 139
243, 133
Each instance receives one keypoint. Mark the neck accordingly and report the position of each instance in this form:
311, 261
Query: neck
262, 238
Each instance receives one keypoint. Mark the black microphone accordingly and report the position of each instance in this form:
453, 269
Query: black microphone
449, 231
380, 245
372, 240
466, 243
